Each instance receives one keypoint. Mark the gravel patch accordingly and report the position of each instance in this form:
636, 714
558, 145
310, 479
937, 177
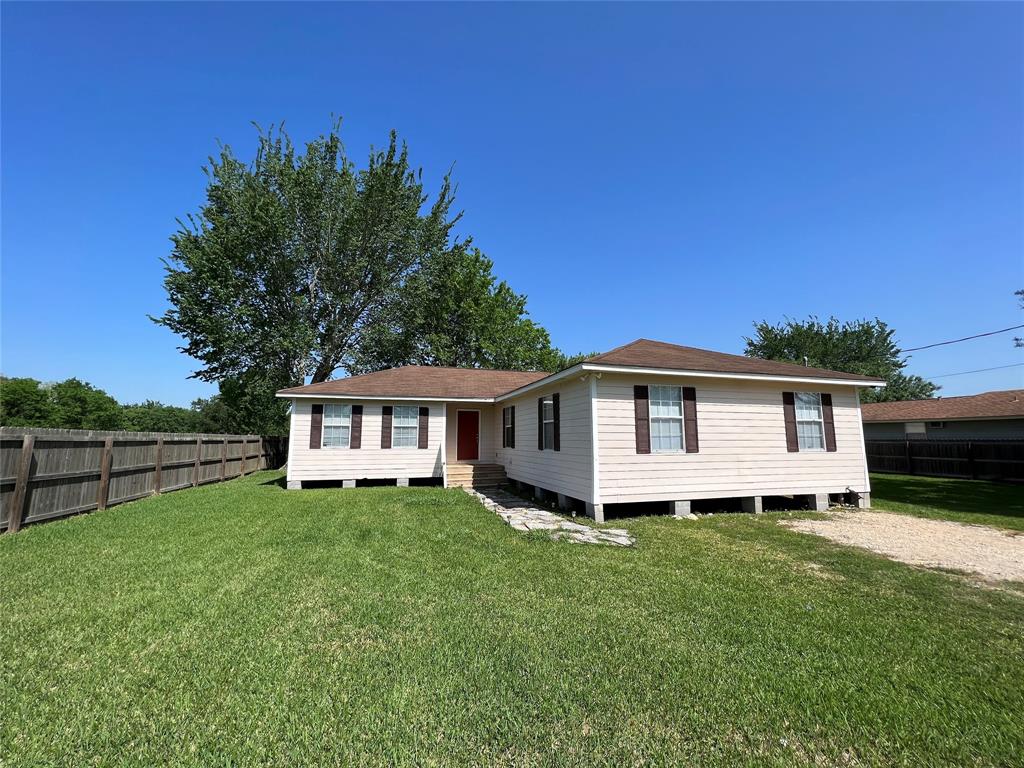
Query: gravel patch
991, 553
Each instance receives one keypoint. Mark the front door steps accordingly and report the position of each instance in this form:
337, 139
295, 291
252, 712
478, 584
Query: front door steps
476, 475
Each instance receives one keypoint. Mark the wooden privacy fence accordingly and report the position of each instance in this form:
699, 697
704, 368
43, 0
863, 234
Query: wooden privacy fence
973, 459
52, 473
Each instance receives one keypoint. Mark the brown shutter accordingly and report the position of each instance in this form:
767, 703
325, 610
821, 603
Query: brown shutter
557, 443
316, 425
356, 433
642, 418
512, 436
830, 424
690, 419
385, 426
789, 414
540, 423
424, 427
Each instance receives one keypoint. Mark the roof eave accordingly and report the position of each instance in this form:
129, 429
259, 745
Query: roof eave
389, 398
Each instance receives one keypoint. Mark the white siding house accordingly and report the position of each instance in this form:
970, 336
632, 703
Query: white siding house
645, 423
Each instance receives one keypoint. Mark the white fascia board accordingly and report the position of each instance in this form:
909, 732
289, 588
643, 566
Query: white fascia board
578, 368
715, 375
386, 398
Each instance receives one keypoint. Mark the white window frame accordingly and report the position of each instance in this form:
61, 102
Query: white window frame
651, 419
506, 426
544, 421
344, 420
820, 421
395, 426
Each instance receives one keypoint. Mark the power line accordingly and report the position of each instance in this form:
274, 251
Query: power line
979, 370
965, 338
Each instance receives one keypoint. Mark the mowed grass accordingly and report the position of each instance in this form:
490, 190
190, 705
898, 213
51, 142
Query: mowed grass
965, 501
242, 624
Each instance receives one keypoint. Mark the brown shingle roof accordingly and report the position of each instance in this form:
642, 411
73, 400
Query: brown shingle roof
644, 353
423, 381
988, 405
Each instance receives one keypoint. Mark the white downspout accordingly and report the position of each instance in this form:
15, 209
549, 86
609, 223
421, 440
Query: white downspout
444, 444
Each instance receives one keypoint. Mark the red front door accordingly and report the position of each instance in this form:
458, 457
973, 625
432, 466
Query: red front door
468, 436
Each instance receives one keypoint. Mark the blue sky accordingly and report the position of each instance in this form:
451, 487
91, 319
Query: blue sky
668, 171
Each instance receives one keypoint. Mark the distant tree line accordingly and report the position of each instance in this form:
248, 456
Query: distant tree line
74, 404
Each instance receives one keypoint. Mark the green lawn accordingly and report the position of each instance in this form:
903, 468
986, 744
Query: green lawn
242, 624
966, 501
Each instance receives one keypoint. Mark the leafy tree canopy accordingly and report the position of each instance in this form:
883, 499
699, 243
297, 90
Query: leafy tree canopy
299, 263
861, 346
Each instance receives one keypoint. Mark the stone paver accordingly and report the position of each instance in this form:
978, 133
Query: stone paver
524, 516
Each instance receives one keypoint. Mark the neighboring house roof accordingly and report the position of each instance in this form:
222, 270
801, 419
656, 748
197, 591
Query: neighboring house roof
644, 353
415, 381
1003, 404
424, 381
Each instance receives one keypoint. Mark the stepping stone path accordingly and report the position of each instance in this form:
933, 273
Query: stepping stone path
524, 516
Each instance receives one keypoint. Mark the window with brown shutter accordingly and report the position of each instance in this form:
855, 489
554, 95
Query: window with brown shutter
508, 427
641, 419
385, 427
556, 441
830, 424
690, 420
547, 423
356, 440
424, 425
789, 416
316, 425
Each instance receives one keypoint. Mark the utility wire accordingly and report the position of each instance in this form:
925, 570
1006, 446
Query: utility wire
965, 338
979, 370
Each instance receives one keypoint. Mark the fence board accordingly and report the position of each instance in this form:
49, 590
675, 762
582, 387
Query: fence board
72, 471
991, 459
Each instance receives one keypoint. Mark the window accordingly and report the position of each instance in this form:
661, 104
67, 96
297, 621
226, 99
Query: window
548, 422
405, 424
508, 425
914, 428
936, 425
666, 407
810, 421
337, 426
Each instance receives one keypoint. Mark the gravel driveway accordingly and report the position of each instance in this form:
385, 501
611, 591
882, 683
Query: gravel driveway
993, 554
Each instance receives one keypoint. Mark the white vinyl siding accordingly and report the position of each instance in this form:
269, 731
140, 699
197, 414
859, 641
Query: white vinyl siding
742, 433
666, 413
337, 426
810, 422
569, 470
369, 461
404, 426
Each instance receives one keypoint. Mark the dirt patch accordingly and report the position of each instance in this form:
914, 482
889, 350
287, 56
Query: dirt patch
991, 553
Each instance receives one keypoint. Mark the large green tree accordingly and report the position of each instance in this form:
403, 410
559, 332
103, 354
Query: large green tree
24, 403
861, 346
454, 312
299, 263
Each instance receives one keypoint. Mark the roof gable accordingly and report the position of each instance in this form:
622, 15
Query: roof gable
644, 353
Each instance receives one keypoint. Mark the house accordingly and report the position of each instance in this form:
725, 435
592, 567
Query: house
972, 417
646, 422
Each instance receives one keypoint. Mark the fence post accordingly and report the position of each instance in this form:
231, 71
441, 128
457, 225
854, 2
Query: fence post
199, 456
17, 509
105, 460
159, 464
223, 459
245, 450
910, 457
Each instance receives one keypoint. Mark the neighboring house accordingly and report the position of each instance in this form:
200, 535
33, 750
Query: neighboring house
972, 417
646, 422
